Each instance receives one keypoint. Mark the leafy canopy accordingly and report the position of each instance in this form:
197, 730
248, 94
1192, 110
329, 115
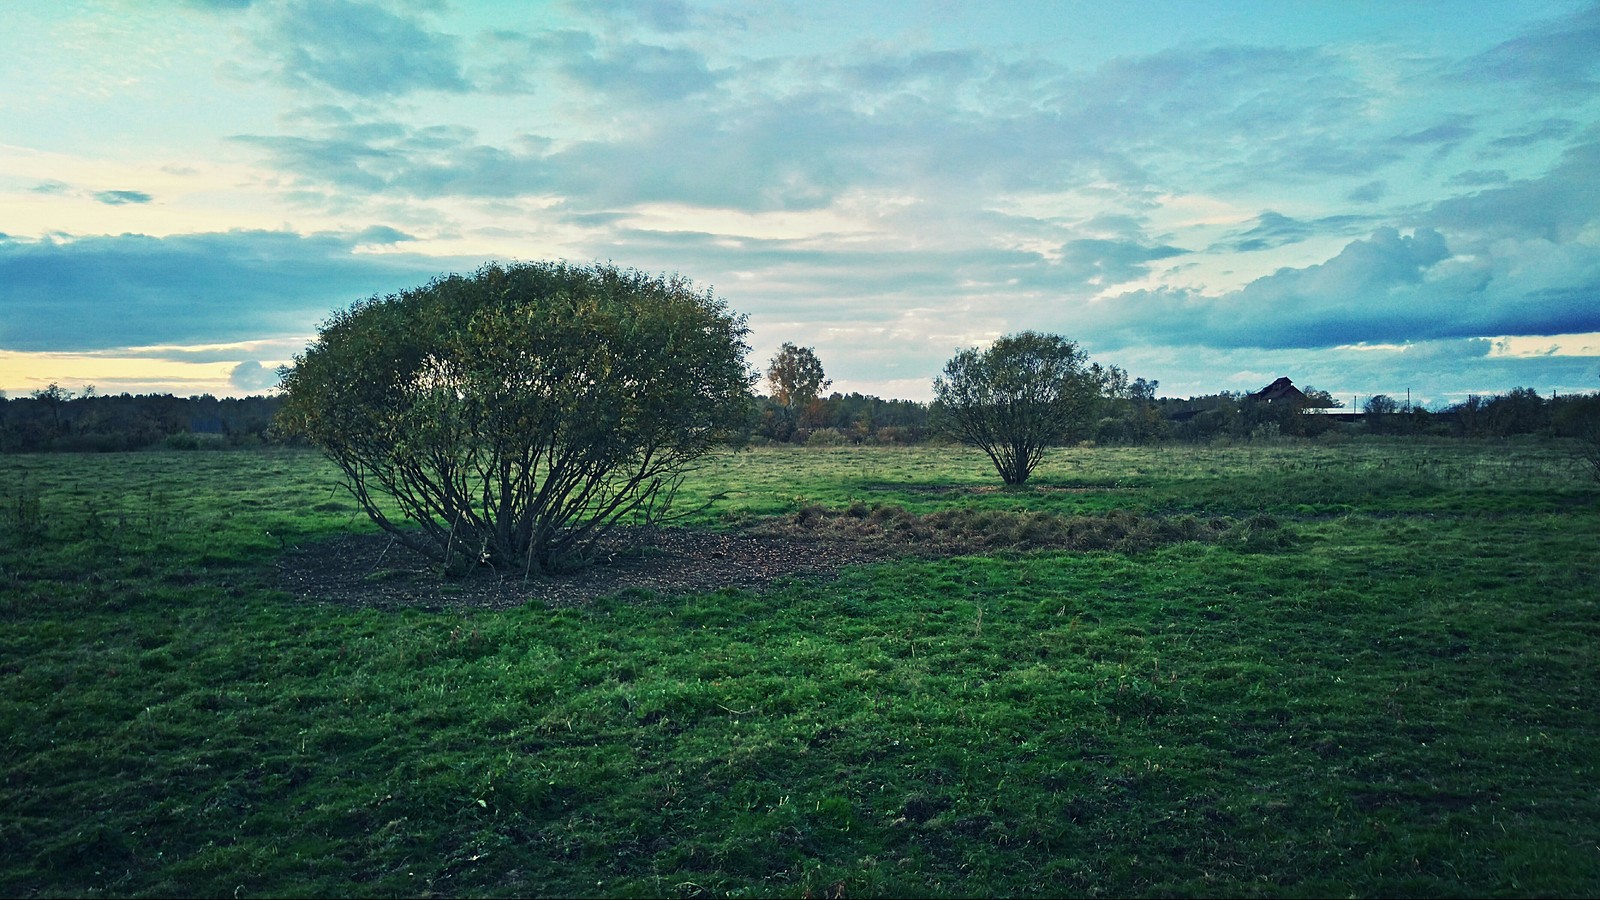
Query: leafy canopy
514, 416
1028, 391
795, 376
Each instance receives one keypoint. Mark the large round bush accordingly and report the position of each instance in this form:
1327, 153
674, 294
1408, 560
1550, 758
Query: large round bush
514, 416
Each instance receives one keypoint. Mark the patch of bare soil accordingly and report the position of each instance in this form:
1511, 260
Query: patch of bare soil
947, 490
373, 570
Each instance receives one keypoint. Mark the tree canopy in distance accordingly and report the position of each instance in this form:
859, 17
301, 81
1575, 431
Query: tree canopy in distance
514, 416
795, 376
1028, 391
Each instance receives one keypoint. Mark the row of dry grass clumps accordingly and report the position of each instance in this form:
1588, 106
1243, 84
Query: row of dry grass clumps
961, 531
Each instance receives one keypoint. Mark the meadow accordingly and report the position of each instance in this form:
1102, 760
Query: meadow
1364, 669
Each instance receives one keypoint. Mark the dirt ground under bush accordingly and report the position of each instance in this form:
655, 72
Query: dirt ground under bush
371, 570
376, 571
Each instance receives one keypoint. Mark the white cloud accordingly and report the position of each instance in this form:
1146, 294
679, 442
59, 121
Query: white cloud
360, 49
98, 292
252, 377
889, 196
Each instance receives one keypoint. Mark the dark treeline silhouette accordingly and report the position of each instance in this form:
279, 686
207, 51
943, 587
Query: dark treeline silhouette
1243, 417
1137, 417
1521, 411
54, 419
842, 419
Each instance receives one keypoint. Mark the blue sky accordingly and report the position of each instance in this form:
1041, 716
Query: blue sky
1367, 197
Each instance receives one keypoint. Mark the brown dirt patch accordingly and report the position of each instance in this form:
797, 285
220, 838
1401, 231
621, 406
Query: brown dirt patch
370, 570
948, 490
373, 570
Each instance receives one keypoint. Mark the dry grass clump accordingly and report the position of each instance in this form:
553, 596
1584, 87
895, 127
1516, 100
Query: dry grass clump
974, 530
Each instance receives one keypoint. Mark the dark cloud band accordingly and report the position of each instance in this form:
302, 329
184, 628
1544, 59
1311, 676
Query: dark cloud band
129, 290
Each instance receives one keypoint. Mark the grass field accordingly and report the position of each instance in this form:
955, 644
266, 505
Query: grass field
1380, 680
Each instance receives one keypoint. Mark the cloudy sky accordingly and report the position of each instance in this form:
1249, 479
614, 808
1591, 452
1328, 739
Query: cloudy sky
1366, 196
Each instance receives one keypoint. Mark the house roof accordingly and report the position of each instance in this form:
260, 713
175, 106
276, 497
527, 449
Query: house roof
1282, 389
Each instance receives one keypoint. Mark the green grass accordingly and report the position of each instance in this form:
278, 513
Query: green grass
1398, 697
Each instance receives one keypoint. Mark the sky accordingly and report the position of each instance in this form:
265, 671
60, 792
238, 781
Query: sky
1366, 197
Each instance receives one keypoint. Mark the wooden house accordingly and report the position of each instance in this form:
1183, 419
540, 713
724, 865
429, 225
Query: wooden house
1280, 391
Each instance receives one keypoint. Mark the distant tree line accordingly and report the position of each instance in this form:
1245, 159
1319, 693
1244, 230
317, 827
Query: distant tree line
841, 419
54, 419
794, 412
1240, 417
1133, 415
1520, 411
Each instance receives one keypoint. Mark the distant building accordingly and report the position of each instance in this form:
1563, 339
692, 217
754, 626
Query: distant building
1280, 391
1283, 391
